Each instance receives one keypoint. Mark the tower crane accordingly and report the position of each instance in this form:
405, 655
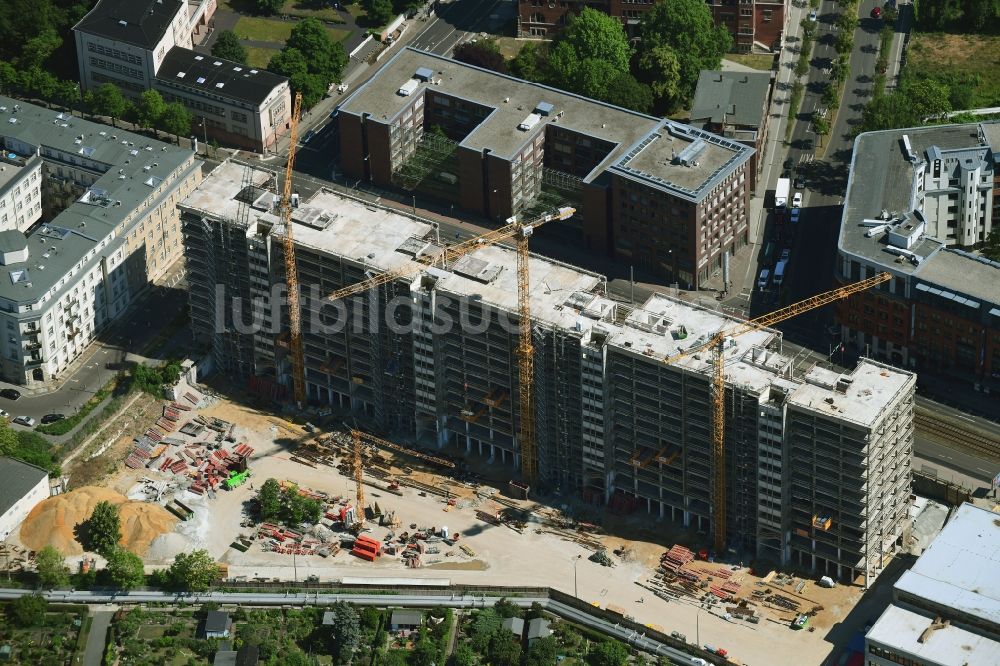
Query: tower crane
717, 346
520, 232
291, 268
359, 439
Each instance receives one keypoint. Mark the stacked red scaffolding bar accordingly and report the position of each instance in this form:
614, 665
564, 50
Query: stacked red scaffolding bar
676, 557
367, 548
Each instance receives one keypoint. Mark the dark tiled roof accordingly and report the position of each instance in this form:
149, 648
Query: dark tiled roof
139, 22
16, 479
216, 621
215, 76
738, 98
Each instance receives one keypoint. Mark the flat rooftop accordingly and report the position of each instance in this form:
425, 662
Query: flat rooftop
129, 168
12, 166
866, 391
512, 100
901, 630
562, 296
959, 569
882, 178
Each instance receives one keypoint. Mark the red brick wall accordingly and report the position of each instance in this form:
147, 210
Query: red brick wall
352, 159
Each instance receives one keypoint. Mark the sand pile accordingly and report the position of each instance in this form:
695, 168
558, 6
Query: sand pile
53, 521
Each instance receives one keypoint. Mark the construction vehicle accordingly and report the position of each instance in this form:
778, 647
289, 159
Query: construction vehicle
520, 232
716, 345
291, 269
236, 479
358, 441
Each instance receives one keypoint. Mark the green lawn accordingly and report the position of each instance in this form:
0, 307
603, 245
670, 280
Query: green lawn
757, 61
319, 9
950, 58
259, 57
275, 31
263, 29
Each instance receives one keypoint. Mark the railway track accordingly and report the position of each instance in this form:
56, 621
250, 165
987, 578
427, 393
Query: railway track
958, 437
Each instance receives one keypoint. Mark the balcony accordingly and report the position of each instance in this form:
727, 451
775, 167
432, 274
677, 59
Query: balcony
33, 361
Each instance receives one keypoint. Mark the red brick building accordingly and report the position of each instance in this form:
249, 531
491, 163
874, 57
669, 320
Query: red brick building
668, 198
750, 22
940, 314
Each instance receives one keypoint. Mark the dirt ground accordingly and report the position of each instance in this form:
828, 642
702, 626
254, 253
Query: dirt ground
544, 553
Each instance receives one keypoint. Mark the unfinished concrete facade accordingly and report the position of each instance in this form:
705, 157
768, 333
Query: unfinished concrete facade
432, 358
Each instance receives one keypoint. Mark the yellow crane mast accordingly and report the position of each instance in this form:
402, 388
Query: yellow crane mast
520, 232
360, 438
291, 269
717, 346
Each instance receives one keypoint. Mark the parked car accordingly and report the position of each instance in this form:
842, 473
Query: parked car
785, 255
795, 216
25, 421
877, 13
52, 418
765, 277
797, 200
789, 163
800, 182
812, 15
309, 135
10, 394
4, 415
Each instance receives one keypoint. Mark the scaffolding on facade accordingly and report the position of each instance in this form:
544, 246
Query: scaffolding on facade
431, 167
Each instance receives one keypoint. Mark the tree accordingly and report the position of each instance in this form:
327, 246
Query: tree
326, 58
845, 42
8, 77
528, 64
125, 569
268, 7
345, 634
485, 624
194, 571
464, 656
269, 500
625, 91
215, 147
661, 70
379, 11
840, 69
103, 529
176, 120
685, 26
830, 96
485, 54
609, 653
107, 100
227, 45
29, 610
506, 609
51, 567
425, 652
503, 651
595, 35
8, 440
991, 249
38, 49
542, 652
150, 108
821, 126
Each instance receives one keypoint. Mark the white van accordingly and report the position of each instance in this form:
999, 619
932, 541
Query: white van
765, 276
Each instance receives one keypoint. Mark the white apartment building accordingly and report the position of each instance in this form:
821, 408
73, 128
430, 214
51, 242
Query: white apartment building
109, 227
139, 45
957, 193
20, 188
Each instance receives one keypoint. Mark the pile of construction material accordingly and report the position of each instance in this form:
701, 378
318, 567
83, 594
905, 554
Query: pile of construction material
207, 467
366, 548
675, 558
52, 522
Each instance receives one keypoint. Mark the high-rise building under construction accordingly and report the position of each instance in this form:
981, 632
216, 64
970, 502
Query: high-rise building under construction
818, 462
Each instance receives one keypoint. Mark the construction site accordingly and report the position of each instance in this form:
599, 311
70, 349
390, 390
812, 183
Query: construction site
471, 412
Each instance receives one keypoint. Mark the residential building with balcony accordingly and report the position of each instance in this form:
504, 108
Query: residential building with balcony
668, 198
919, 204
108, 227
140, 45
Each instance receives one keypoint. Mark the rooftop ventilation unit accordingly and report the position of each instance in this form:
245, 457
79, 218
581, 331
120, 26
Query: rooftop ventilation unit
544, 109
424, 74
529, 122
690, 153
408, 88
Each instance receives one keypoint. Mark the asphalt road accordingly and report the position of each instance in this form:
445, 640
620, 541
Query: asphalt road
97, 639
456, 21
633, 638
944, 459
139, 327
